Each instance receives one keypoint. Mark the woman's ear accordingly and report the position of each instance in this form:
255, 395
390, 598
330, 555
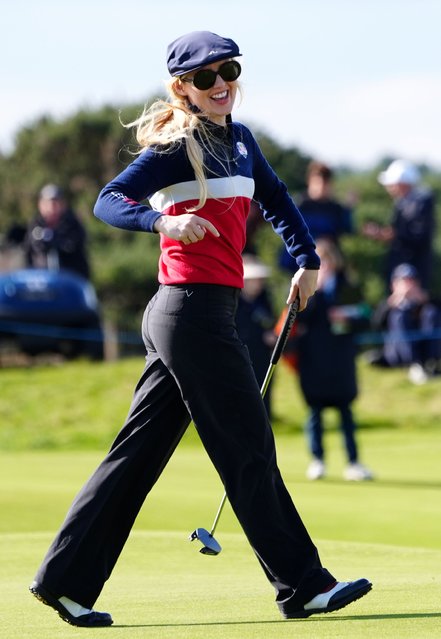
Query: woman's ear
179, 88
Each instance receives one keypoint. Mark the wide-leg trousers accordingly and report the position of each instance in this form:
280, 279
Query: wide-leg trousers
196, 368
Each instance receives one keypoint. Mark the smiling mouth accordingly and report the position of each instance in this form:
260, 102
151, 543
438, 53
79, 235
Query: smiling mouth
220, 96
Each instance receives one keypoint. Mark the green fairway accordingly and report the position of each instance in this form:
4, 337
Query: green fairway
387, 530
162, 587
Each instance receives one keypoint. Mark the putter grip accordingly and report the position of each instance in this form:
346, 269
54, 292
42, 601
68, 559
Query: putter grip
284, 333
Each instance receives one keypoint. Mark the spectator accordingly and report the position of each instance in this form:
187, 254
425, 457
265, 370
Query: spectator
409, 235
326, 358
55, 238
323, 214
255, 319
410, 320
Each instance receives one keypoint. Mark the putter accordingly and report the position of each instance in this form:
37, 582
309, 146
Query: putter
209, 544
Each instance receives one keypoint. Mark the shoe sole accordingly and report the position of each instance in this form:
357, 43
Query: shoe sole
49, 600
341, 603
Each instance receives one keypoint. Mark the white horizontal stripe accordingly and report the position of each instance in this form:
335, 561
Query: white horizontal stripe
218, 188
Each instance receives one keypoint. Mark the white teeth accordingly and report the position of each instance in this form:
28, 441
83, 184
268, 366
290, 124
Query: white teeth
219, 96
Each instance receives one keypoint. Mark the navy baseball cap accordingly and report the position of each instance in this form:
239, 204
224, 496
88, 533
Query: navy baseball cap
404, 271
197, 49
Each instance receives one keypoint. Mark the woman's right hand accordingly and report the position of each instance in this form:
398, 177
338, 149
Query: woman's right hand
303, 286
187, 228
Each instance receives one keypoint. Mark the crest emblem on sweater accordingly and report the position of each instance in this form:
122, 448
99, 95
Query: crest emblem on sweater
242, 149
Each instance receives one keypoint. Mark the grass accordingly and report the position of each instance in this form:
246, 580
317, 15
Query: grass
81, 405
74, 405
60, 420
163, 588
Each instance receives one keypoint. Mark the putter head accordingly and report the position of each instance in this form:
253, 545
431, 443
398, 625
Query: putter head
209, 543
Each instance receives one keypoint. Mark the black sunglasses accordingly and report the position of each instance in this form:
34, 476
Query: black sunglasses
206, 78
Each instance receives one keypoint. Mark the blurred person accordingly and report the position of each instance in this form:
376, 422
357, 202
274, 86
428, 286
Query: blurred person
11, 247
326, 359
15, 234
198, 170
409, 236
324, 215
410, 320
55, 238
255, 319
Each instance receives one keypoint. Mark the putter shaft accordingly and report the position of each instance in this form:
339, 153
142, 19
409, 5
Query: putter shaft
278, 349
219, 512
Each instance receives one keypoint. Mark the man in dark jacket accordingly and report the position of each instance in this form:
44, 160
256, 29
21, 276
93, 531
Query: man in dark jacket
55, 238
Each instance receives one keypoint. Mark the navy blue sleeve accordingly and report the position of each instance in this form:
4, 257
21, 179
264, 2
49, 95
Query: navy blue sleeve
120, 202
281, 211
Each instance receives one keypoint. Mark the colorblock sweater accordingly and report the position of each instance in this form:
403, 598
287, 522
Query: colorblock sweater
162, 182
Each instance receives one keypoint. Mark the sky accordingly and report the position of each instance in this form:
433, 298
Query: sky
348, 82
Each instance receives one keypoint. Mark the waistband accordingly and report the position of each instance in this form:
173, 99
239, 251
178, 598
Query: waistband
205, 294
215, 288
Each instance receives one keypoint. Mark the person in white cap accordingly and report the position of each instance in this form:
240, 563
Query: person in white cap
411, 229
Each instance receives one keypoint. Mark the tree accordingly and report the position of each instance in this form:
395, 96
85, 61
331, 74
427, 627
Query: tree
85, 150
289, 163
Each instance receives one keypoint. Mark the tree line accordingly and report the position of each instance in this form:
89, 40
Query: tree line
84, 151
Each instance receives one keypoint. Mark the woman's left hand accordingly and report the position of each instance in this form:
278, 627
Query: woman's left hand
187, 228
303, 286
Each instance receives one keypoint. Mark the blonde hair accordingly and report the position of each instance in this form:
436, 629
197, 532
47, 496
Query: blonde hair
169, 123
328, 249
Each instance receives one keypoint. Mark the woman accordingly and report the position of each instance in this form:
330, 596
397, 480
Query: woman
326, 358
199, 171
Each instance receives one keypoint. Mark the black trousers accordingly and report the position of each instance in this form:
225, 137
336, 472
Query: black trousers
196, 368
